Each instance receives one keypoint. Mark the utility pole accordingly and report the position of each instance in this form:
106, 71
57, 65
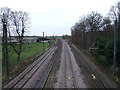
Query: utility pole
82, 39
53, 37
43, 41
5, 43
115, 45
116, 27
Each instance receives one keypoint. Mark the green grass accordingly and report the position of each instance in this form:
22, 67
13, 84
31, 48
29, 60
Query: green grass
28, 56
29, 50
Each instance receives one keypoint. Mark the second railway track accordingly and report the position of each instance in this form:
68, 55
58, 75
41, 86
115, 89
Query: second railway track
47, 81
91, 74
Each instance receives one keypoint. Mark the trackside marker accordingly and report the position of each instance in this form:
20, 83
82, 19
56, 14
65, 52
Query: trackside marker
93, 76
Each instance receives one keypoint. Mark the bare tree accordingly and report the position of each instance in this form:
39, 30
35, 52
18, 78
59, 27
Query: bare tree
94, 21
20, 23
78, 32
106, 21
86, 28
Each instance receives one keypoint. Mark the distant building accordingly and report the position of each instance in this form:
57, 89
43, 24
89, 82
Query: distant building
29, 39
13, 40
46, 40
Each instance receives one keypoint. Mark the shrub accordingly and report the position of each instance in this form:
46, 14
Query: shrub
109, 51
105, 51
101, 44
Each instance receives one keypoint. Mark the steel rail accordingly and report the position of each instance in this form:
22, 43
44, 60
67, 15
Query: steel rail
55, 59
96, 84
27, 70
33, 71
47, 72
45, 75
68, 55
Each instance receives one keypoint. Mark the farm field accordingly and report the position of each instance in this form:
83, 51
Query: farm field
30, 51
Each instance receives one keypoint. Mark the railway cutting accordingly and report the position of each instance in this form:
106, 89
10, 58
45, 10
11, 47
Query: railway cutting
62, 66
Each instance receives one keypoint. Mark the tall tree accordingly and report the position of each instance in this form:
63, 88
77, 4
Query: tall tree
19, 24
94, 21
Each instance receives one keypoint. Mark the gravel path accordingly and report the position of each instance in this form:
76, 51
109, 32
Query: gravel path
69, 74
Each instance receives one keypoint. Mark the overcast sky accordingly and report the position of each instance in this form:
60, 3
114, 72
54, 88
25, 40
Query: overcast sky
57, 16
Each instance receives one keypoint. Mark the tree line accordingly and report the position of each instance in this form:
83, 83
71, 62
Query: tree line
94, 30
12, 23
90, 27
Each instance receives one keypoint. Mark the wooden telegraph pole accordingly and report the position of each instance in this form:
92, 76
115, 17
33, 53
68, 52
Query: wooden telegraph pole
43, 41
115, 47
5, 43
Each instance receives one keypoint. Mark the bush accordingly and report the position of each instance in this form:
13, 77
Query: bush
101, 44
109, 51
105, 51
103, 60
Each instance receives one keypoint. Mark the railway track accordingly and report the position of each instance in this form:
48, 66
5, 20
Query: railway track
31, 75
46, 74
38, 74
69, 75
90, 73
51, 79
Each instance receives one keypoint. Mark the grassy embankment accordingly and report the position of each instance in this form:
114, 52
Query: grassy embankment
31, 51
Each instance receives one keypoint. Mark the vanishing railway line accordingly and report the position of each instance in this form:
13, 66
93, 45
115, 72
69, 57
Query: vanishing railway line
69, 75
62, 66
46, 75
51, 79
31, 76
